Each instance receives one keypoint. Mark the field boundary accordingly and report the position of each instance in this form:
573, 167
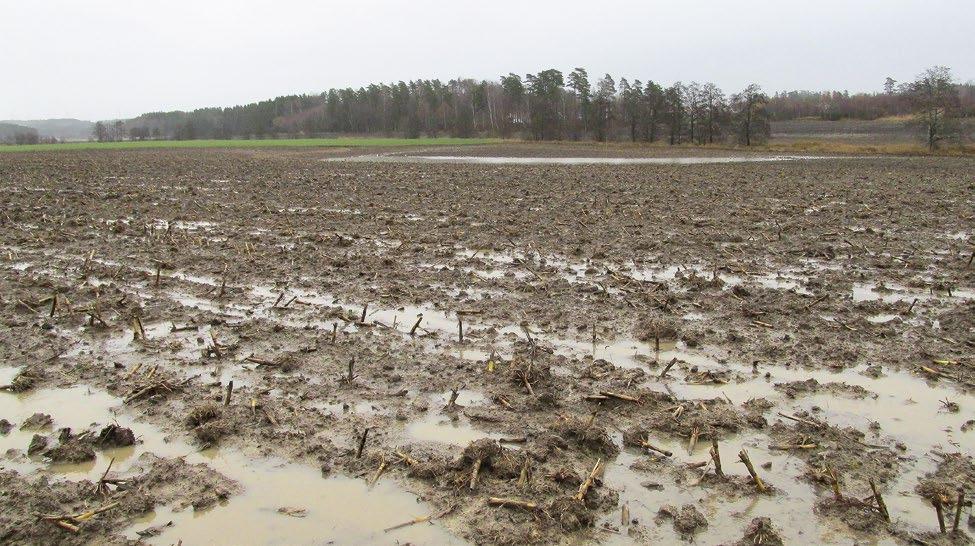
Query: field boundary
255, 143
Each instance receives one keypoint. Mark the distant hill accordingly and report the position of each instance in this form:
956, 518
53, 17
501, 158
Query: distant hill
10, 132
61, 129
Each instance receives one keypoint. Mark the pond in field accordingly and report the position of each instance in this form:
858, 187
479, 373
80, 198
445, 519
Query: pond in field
385, 158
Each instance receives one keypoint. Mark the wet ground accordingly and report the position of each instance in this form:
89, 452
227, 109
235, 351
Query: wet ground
264, 347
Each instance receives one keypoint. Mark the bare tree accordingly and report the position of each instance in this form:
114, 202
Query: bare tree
714, 114
674, 101
100, 132
934, 95
694, 109
751, 116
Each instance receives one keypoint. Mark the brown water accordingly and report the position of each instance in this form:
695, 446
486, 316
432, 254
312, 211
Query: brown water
479, 160
338, 508
448, 428
907, 408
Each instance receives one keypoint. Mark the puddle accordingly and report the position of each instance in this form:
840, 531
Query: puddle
78, 408
486, 160
625, 353
363, 409
790, 509
470, 353
180, 350
908, 408
183, 225
439, 427
338, 509
893, 293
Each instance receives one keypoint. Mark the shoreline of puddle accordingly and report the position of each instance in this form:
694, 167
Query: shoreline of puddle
336, 507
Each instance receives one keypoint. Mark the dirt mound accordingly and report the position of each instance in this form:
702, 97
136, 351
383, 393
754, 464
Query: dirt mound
687, 519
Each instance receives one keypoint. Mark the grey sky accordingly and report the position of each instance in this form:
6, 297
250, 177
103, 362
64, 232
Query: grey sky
99, 59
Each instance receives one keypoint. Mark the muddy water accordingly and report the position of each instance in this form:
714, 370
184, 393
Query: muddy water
790, 507
386, 158
451, 428
339, 509
76, 407
893, 293
907, 408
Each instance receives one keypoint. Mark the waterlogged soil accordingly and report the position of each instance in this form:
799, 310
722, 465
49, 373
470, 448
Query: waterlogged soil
264, 347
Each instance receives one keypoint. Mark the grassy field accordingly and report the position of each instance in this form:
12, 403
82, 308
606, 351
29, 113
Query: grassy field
277, 143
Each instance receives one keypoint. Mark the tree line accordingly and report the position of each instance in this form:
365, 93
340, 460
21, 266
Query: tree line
550, 105
20, 135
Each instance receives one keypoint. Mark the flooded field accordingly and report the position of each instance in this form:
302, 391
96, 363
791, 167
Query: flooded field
521, 160
262, 347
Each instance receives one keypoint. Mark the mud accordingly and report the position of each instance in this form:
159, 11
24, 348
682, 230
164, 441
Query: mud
813, 314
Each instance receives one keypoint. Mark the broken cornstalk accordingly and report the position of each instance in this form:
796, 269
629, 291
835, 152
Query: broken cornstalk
593, 476
743, 455
416, 325
716, 457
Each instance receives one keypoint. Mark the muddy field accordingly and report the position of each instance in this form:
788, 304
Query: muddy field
275, 347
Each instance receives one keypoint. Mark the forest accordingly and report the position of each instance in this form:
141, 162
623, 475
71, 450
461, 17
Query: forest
550, 105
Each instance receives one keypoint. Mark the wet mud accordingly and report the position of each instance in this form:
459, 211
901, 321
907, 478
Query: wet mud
264, 347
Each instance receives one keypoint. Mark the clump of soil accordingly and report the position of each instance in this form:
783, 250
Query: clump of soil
37, 444
957, 323
483, 450
755, 409
955, 470
571, 514
652, 328
857, 515
588, 436
841, 449
760, 531
207, 424
72, 451
478, 457
115, 436
23, 381
687, 520
707, 418
874, 370
170, 480
794, 389
36, 421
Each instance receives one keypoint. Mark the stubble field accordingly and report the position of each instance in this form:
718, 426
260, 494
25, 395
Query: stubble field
302, 346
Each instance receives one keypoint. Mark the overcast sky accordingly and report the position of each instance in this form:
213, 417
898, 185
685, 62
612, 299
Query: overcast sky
102, 59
